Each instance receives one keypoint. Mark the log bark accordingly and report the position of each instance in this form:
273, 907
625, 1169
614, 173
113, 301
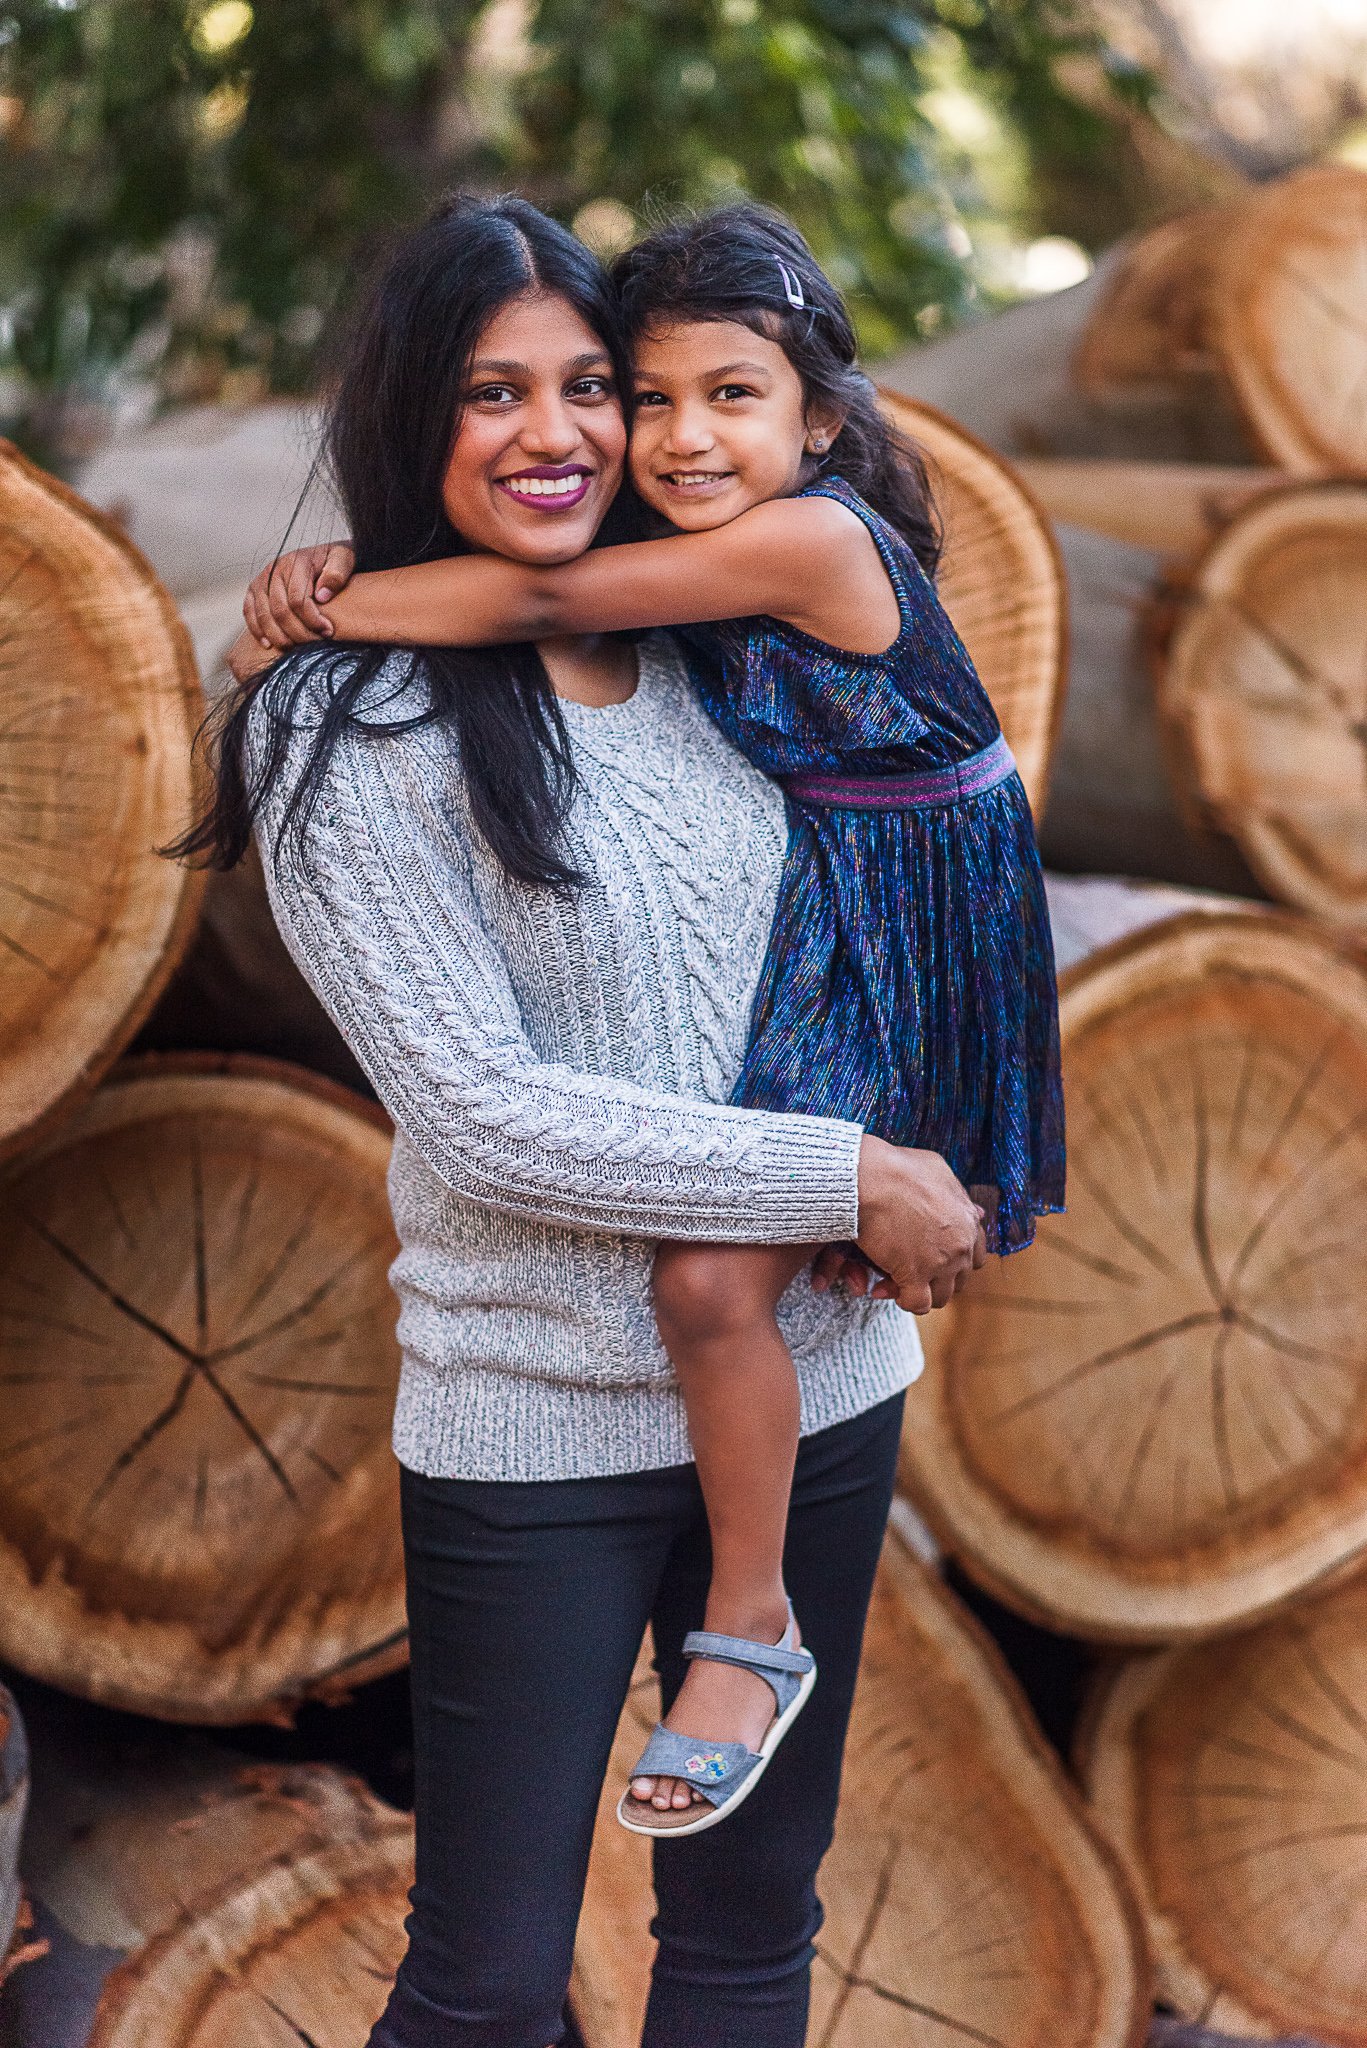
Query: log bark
100, 699
1176, 509
1147, 1426
1261, 687
966, 1897
197, 1340
1001, 581
1229, 1777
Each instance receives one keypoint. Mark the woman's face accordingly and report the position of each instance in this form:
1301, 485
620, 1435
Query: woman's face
539, 452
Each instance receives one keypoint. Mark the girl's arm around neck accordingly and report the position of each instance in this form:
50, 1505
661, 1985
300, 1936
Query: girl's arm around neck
807, 560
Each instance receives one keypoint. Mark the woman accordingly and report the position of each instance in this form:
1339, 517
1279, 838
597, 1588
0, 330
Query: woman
533, 887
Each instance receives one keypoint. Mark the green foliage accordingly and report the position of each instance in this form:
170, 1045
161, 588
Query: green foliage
186, 190
812, 105
188, 187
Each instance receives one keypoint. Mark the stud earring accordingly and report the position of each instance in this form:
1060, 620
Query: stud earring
818, 443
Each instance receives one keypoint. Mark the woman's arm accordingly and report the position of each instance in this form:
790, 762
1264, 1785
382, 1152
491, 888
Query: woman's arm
807, 560
384, 925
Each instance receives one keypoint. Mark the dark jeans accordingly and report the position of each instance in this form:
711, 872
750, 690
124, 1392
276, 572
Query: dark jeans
527, 1605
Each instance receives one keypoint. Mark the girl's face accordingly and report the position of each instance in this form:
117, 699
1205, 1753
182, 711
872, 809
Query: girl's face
538, 455
720, 423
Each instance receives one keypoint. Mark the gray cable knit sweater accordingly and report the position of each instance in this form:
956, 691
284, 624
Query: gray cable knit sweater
557, 1068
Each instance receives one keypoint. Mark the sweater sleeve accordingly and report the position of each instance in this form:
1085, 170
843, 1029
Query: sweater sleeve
385, 927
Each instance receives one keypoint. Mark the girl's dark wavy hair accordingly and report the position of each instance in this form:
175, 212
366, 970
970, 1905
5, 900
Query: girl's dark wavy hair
390, 427
730, 264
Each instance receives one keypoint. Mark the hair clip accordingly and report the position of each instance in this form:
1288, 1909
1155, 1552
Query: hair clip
792, 285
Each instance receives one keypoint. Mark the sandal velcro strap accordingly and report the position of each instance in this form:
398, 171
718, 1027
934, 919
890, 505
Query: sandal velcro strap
708, 1765
757, 1657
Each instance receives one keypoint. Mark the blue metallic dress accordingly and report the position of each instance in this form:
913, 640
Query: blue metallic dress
909, 979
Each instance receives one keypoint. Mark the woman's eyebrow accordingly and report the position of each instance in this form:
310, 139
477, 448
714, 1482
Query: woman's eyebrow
495, 366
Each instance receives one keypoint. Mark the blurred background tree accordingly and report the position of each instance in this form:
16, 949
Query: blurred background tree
189, 188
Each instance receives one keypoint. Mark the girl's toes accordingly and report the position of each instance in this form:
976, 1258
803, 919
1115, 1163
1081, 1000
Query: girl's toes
684, 1795
643, 1788
665, 1789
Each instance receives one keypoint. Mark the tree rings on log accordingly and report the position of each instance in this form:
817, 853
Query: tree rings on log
267, 1909
1287, 313
967, 1897
1153, 1423
1001, 581
198, 1502
100, 701
1262, 690
1232, 1779
1148, 328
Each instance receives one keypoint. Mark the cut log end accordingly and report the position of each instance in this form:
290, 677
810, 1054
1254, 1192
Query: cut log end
1151, 1424
1001, 581
1261, 686
197, 1344
100, 701
1232, 1779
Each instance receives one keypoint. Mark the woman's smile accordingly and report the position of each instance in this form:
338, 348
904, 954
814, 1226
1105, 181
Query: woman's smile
541, 440
550, 489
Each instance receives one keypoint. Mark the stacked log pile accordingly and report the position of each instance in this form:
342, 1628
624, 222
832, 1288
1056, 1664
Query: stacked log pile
1147, 1432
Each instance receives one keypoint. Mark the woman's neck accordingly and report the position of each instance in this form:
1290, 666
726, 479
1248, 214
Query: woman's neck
591, 668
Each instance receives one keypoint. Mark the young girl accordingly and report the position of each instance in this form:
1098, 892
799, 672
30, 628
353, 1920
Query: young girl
909, 981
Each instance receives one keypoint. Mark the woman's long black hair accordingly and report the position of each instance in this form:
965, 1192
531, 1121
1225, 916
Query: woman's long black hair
749, 264
390, 427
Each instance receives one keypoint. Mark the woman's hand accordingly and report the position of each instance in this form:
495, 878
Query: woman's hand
917, 1224
282, 604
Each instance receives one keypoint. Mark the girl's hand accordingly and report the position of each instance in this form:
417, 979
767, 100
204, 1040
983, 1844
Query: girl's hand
282, 605
917, 1223
838, 1265
247, 658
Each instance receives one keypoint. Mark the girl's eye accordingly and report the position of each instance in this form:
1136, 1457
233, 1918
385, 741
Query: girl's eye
735, 391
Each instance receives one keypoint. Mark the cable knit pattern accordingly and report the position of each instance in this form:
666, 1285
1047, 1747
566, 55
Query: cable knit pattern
557, 1068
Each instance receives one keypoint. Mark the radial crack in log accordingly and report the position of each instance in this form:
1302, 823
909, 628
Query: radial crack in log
966, 1901
1232, 1780
1263, 688
98, 702
149, 1224
1001, 580
1152, 1424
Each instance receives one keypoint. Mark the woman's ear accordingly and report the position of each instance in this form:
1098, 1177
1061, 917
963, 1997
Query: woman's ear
823, 426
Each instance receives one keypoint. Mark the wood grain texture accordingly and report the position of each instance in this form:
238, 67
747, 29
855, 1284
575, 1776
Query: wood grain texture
1148, 328
1263, 689
1153, 1423
198, 1503
98, 702
1287, 316
967, 1900
1001, 581
1232, 1779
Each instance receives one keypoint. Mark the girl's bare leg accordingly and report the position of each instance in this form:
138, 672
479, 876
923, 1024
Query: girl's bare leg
714, 1305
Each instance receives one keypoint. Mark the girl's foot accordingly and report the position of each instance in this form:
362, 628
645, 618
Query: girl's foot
719, 1702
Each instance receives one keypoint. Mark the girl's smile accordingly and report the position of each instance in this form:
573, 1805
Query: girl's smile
720, 422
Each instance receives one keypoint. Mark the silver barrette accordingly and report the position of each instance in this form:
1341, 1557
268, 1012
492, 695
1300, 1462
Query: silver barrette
792, 284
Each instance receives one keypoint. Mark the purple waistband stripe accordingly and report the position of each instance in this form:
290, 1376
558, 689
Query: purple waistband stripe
979, 773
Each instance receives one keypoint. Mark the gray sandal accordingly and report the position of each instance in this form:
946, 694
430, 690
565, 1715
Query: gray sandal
724, 1773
